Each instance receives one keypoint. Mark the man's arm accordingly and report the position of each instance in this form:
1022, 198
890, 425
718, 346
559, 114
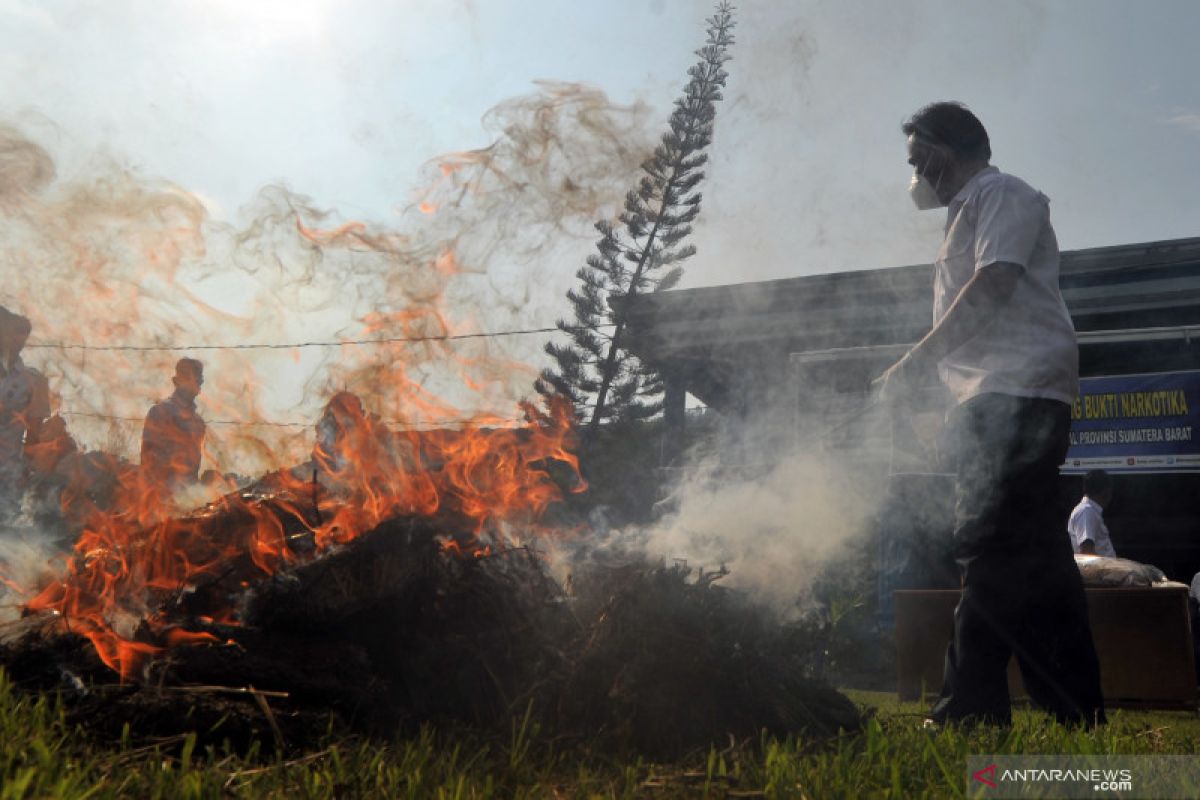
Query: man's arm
1089, 524
38, 410
988, 290
152, 435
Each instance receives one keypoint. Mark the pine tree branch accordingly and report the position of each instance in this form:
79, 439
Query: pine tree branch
656, 219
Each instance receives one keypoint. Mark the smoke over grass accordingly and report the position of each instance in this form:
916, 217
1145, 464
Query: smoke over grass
773, 530
773, 504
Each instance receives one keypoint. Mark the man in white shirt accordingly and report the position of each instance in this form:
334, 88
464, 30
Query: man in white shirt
1004, 346
1089, 534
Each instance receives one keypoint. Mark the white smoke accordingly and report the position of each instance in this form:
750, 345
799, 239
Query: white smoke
773, 532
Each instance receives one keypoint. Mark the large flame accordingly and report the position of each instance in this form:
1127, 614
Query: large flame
438, 432
128, 563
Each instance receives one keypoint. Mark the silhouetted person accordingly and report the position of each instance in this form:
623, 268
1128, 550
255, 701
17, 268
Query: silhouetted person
343, 429
49, 463
173, 435
24, 407
1004, 346
1089, 534
354, 445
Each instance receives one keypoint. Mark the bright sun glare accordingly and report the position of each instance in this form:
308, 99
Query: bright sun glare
267, 21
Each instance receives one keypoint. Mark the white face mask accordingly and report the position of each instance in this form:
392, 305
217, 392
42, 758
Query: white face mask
923, 193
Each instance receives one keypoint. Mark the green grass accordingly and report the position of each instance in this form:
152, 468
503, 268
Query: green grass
41, 756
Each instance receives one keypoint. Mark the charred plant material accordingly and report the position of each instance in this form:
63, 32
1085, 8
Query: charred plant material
594, 370
395, 627
321, 594
668, 662
642, 658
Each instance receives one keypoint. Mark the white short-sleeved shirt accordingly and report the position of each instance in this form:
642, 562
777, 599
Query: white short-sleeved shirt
1087, 522
1029, 347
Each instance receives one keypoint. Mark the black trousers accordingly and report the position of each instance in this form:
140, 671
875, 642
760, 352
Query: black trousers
1022, 594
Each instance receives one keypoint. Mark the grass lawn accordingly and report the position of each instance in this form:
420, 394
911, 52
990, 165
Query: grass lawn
41, 756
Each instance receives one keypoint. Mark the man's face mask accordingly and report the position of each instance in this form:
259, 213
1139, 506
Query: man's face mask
924, 192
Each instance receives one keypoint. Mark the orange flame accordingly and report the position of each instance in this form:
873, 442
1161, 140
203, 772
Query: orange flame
130, 563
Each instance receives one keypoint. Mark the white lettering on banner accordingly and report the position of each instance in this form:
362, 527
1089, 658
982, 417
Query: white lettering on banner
1096, 437
1153, 435
1132, 436
1183, 434
1140, 436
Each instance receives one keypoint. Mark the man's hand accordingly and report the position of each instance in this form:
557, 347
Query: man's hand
900, 380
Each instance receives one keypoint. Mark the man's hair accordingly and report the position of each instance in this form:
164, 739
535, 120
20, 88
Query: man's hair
1097, 481
15, 323
953, 125
191, 366
346, 404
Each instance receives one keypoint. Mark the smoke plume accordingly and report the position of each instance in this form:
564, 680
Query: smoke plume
112, 258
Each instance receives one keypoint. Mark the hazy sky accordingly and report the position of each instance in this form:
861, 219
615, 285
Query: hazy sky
1096, 103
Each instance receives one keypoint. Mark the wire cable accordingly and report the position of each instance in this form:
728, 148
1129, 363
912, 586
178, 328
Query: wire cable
294, 345
396, 424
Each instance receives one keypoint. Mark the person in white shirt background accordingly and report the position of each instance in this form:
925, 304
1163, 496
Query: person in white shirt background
1003, 344
1089, 534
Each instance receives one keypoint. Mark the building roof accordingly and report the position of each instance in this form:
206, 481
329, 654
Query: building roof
725, 343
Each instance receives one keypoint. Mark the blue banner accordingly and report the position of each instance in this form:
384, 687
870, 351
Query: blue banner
1136, 423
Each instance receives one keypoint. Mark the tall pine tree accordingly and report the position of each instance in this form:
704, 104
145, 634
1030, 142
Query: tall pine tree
594, 370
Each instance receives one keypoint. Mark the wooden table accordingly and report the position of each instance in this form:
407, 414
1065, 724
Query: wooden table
1142, 634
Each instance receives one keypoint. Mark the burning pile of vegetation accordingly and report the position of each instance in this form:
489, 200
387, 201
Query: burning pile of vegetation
396, 579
